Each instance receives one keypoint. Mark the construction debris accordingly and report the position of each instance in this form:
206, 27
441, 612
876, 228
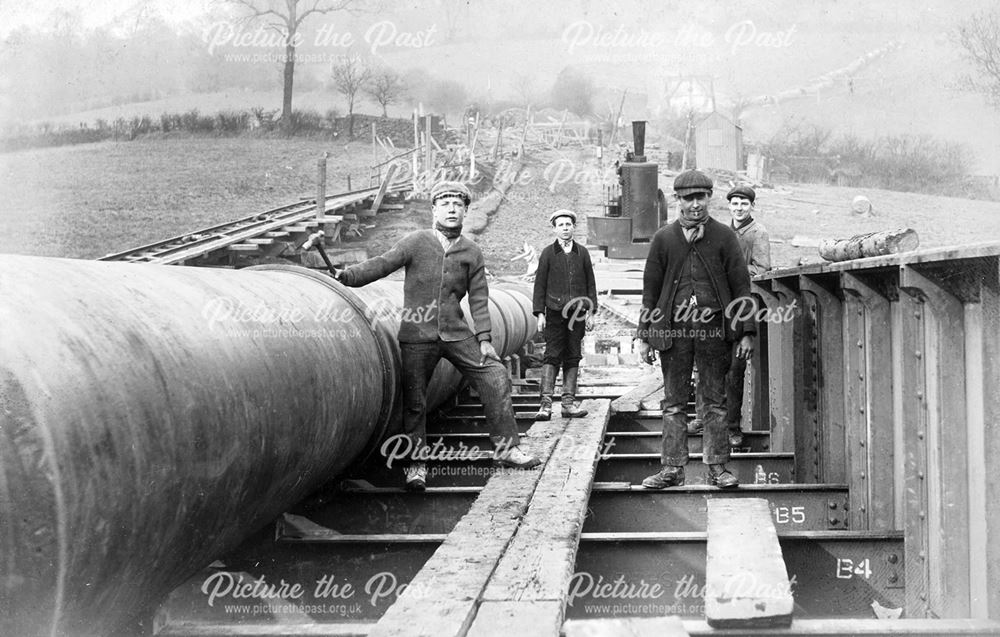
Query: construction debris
872, 244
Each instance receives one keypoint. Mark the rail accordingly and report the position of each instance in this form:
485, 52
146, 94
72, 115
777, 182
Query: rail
254, 233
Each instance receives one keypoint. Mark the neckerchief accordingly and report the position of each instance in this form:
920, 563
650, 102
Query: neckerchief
451, 233
693, 229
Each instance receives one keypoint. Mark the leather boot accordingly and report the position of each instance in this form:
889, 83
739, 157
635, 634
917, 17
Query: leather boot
569, 407
548, 386
719, 476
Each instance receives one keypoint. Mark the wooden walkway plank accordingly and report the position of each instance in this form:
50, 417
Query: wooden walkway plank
377, 203
626, 627
632, 401
533, 577
746, 582
442, 598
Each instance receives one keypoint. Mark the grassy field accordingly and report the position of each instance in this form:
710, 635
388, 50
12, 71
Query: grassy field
88, 200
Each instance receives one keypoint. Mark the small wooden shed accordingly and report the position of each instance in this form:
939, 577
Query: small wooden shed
718, 143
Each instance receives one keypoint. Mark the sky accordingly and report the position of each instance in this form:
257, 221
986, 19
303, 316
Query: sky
94, 13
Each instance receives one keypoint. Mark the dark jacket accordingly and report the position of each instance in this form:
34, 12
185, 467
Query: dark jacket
435, 284
562, 277
723, 261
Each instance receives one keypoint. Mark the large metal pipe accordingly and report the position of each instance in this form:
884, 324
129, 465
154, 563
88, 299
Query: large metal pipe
152, 417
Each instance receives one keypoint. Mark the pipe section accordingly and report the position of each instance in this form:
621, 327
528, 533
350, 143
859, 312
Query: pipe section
153, 417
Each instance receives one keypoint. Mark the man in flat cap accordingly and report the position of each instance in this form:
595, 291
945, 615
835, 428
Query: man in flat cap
565, 301
442, 266
756, 247
694, 270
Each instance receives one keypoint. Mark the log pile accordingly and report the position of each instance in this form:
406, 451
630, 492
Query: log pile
872, 244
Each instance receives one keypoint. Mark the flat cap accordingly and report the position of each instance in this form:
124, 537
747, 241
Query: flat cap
450, 188
562, 212
742, 191
692, 181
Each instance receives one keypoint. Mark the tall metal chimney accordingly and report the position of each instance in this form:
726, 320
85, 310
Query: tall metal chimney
639, 139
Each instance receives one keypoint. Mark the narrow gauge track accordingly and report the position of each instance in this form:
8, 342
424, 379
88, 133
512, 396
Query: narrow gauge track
247, 234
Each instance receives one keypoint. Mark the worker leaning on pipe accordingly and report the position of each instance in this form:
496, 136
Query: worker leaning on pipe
442, 266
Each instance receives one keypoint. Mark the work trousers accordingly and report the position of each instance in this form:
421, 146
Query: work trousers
491, 381
563, 337
704, 344
735, 378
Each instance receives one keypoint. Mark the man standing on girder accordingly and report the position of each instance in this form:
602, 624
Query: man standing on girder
694, 271
442, 266
756, 245
565, 302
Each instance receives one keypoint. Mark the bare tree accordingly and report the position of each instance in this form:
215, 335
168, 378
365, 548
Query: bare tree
385, 86
350, 74
286, 17
979, 37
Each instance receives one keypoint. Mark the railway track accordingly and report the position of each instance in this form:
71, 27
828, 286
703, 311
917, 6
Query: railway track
264, 234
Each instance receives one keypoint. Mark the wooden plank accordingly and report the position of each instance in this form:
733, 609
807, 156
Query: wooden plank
301, 226
618, 273
746, 583
618, 283
503, 619
389, 175
243, 247
535, 571
442, 598
632, 401
625, 627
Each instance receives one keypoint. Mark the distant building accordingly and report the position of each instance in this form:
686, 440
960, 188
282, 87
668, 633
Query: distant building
718, 143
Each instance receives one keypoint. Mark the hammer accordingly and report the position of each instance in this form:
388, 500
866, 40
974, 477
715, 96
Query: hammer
316, 238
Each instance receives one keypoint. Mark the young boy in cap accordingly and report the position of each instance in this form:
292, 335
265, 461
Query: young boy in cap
756, 247
694, 270
442, 266
565, 301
